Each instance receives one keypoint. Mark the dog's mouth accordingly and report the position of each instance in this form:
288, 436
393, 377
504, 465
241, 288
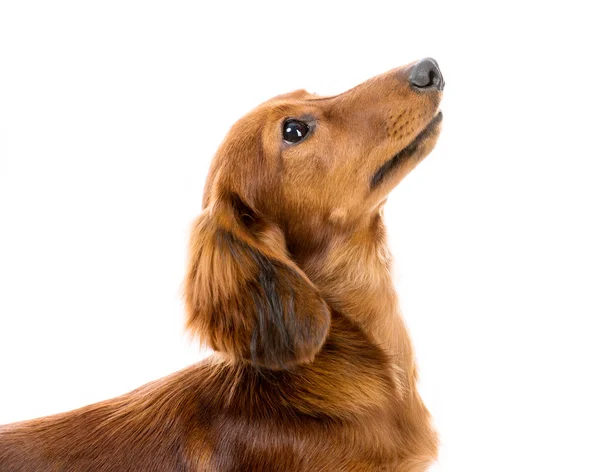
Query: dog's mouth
407, 152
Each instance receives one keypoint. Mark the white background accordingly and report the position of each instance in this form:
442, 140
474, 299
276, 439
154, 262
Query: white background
110, 113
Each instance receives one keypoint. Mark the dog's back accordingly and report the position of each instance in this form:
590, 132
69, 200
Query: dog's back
142, 430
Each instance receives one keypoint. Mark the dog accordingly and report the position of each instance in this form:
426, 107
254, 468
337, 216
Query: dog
289, 283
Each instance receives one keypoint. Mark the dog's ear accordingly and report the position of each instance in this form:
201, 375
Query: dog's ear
245, 296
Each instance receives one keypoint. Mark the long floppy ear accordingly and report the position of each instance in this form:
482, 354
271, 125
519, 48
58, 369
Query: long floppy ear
245, 296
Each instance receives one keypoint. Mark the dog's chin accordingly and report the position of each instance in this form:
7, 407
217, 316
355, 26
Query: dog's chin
416, 150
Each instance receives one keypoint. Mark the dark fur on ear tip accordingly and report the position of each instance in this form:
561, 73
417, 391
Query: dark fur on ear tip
284, 334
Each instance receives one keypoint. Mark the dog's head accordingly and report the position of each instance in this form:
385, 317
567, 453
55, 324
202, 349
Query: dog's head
289, 174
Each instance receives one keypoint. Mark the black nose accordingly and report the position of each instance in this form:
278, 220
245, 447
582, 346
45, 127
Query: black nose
426, 75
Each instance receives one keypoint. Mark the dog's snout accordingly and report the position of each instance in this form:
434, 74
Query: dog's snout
426, 75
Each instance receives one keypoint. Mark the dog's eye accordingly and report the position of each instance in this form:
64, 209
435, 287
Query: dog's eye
294, 131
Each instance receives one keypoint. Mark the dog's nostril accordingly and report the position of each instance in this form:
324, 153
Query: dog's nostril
426, 75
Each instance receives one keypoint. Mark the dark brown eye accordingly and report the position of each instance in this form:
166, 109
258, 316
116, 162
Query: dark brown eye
294, 131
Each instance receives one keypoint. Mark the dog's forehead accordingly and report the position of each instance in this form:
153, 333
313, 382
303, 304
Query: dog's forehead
293, 104
299, 94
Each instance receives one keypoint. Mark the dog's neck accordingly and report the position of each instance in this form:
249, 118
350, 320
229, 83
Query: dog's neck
353, 272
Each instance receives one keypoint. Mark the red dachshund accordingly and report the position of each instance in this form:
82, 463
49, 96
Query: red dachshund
289, 282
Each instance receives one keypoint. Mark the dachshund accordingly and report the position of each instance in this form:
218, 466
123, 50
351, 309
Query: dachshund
289, 284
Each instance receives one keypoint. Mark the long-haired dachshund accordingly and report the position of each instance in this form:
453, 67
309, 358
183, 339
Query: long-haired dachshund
289, 283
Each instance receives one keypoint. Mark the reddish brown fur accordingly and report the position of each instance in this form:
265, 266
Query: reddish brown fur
289, 282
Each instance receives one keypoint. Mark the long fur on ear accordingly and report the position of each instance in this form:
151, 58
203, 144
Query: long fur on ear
244, 295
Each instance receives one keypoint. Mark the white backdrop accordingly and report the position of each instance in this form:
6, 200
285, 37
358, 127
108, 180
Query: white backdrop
110, 113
